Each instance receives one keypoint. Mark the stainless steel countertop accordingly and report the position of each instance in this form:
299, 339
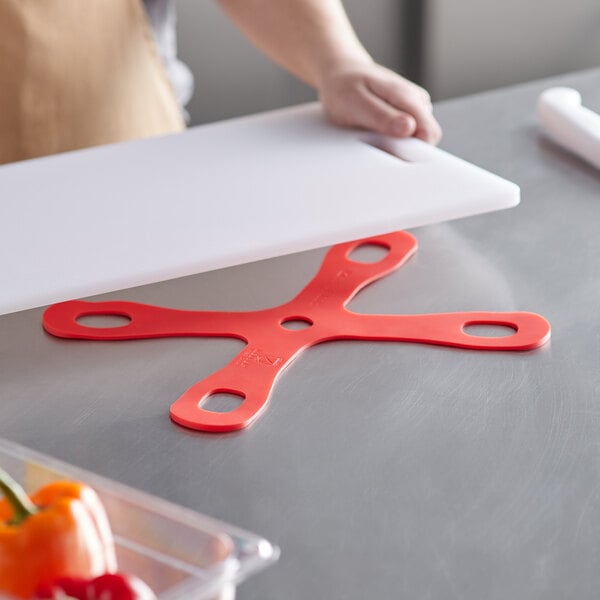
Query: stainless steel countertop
383, 470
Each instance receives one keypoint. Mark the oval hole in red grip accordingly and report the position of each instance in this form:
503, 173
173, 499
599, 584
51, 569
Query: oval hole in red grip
103, 321
221, 401
495, 330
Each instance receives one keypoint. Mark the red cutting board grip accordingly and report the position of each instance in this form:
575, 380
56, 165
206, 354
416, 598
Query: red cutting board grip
274, 336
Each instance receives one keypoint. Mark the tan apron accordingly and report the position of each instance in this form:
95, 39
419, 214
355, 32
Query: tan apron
79, 73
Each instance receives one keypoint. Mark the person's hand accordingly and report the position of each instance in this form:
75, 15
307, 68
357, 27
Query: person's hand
369, 96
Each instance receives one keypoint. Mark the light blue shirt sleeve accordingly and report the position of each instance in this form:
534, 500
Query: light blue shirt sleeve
162, 17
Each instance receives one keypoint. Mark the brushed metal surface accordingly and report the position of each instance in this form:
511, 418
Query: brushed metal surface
383, 470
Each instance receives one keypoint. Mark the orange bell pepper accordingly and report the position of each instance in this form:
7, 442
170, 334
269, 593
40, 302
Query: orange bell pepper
62, 530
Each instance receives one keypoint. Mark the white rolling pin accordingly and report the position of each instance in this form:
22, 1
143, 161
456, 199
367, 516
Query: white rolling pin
570, 124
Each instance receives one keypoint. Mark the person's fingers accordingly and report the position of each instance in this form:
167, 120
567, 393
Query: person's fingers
431, 133
383, 118
381, 101
369, 111
410, 98
400, 93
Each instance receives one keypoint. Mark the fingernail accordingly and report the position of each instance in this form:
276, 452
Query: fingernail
403, 126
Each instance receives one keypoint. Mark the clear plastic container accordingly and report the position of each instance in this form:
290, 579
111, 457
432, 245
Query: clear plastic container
179, 553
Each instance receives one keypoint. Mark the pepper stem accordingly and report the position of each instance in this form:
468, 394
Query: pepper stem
18, 499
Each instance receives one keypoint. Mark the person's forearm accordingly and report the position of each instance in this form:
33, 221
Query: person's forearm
314, 40
309, 38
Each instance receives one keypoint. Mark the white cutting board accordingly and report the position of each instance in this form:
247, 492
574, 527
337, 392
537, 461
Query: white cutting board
122, 215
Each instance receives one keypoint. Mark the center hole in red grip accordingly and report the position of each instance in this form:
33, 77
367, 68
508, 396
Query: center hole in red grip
296, 323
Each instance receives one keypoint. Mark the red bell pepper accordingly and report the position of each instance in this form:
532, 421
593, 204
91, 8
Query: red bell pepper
110, 586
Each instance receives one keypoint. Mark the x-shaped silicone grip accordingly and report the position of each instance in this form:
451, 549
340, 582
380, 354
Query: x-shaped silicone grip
271, 346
